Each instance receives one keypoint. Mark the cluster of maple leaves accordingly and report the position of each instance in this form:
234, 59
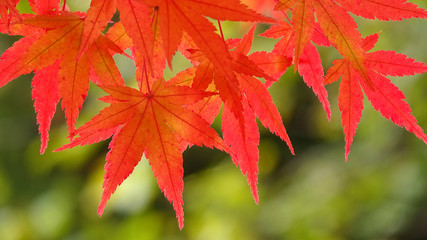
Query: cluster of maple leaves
65, 50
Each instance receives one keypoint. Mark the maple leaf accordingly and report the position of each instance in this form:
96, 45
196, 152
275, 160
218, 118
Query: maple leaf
384, 96
241, 133
161, 119
59, 40
340, 30
42, 50
175, 17
149, 122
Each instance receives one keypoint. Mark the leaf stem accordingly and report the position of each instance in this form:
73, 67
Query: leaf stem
220, 30
289, 20
145, 73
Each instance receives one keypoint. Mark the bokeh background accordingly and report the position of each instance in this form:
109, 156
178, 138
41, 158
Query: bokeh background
380, 193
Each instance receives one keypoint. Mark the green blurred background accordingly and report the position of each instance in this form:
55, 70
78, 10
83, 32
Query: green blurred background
380, 193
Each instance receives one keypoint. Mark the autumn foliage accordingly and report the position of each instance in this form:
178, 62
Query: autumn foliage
160, 119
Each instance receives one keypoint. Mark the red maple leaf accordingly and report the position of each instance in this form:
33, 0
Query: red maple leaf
337, 27
54, 51
149, 122
161, 119
384, 96
241, 132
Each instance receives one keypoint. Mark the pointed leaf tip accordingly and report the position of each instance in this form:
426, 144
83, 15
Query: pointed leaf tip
101, 208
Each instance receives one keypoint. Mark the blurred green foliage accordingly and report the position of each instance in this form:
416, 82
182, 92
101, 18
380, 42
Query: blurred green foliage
380, 193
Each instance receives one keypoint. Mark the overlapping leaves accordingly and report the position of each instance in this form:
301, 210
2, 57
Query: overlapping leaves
161, 118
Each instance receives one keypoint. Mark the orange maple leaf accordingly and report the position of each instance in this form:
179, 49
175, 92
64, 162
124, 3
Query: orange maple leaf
53, 50
152, 122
